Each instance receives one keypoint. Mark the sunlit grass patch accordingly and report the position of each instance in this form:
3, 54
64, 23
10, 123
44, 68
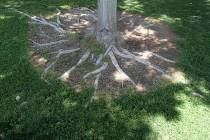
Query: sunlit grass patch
169, 19
133, 6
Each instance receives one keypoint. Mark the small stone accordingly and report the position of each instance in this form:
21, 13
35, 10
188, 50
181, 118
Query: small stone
17, 98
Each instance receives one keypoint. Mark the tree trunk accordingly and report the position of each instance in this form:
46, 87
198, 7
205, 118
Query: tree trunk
107, 19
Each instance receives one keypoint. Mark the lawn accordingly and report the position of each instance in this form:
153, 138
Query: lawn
54, 111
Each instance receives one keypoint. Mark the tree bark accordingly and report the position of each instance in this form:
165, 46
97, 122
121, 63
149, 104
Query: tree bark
107, 19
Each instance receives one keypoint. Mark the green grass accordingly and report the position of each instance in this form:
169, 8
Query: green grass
53, 111
74, 36
93, 45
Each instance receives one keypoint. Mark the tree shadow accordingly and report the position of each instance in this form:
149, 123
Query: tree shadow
161, 101
65, 114
56, 112
53, 111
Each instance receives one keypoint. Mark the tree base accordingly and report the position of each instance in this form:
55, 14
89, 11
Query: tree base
131, 57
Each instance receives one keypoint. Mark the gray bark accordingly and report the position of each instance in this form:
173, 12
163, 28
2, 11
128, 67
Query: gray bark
107, 19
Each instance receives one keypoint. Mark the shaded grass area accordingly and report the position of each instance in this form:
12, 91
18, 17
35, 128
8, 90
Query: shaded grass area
53, 111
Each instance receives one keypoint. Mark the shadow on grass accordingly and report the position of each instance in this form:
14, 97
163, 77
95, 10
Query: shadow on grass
55, 112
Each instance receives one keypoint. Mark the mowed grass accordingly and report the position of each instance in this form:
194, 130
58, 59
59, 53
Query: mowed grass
54, 111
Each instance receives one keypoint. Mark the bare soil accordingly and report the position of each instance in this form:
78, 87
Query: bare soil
140, 34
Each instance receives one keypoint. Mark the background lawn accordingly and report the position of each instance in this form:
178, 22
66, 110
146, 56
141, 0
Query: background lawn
53, 111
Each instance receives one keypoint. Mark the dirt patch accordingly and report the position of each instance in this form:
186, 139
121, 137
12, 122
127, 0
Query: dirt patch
141, 36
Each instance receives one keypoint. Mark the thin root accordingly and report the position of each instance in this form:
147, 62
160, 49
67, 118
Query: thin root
99, 70
62, 52
66, 74
59, 54
98, 61
97, 81
51, 44
41, 21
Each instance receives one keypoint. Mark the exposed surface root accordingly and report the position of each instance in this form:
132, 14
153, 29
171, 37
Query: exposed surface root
98, 61
62, 52
115, 63
65, 76
149, 54
51, 44
147, 63
59, 54
129, 64
129, 55
97, 81
46, 70
99, 70
42, 21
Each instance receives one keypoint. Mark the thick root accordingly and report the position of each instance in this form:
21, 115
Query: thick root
148, 53
65, 75
147, 63
128, 55
115, 63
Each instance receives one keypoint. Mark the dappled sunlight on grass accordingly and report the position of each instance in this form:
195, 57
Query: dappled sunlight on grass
12, 3
5, 75
169, 19
65, 7
133, 6
2, 17
176, 76
68, 104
